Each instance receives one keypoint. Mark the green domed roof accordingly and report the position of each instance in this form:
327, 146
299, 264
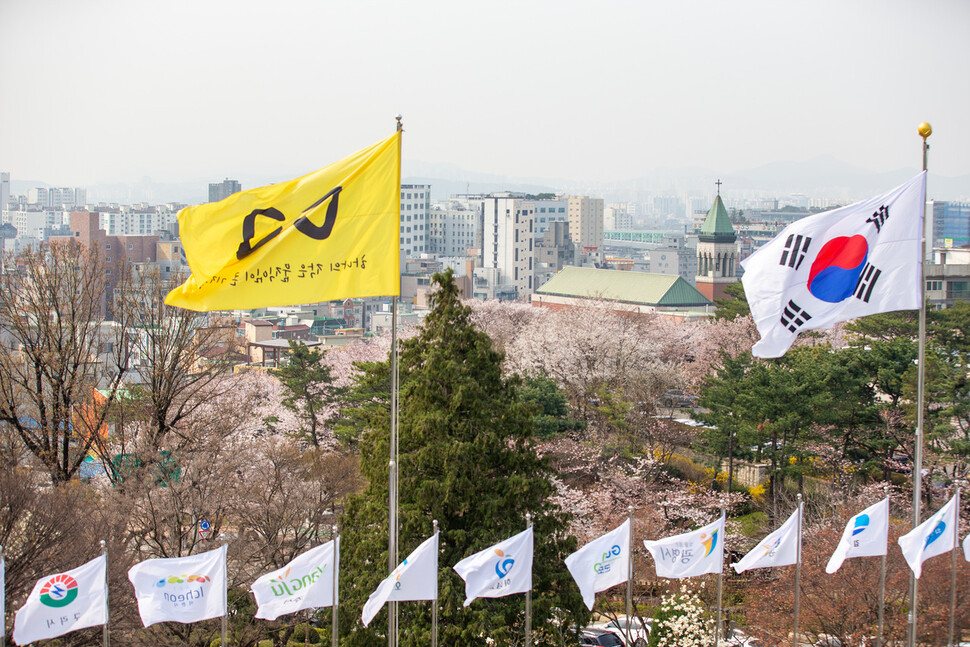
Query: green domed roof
717, 226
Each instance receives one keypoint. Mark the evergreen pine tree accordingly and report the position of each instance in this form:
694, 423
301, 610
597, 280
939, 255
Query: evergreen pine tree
466, 459
308, 389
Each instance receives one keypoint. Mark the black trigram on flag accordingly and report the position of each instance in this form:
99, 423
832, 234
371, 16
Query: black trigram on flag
867, 281
795, 249
793, 317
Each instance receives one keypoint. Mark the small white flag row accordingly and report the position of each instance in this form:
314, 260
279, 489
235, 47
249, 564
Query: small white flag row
192, 589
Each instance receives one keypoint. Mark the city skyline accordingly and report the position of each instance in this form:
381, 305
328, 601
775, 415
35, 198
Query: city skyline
115, 92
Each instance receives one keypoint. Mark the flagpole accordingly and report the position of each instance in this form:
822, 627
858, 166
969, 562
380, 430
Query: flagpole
953, 565
882, 601
3, 593
392, 624
225, 613
924, 130
629, 579
798, 569
434, 603
528, 596
104, 633
720, 588
336, 566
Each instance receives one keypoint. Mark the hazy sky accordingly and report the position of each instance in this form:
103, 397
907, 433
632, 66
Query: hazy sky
98, 91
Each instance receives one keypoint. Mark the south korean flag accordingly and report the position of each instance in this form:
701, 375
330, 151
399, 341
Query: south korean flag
850, 262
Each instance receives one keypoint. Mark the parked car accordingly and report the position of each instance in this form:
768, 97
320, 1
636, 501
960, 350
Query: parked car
675, 398
639, 630
599, 637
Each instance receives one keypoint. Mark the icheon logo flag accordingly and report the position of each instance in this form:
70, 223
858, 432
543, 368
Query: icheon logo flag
332, 234
850, 262
602, 563
181, 589
64, 602
304, 583
865, 535
780, 548
416, 578
691, 554
933, 537
503, 569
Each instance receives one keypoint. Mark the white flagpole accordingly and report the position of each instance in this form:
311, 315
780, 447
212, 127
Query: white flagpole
798, 569
882, 602
953, 565
528, 596
629, 580
336, 567
225, 611
104, 633
924, 130
434, 603
720, 588
392, 624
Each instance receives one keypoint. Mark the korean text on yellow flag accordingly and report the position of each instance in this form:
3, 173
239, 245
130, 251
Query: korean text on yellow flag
332, 234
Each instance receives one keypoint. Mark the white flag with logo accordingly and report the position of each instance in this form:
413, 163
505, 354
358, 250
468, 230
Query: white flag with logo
503, 569
416, 578
64, 602
304, 583
850, 262
602, 563
865, 535
933, 537
691, 554
780, 548
181, 589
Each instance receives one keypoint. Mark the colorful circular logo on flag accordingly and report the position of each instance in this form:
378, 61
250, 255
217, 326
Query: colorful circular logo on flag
836, 270
59, 591
503, 566
861, 523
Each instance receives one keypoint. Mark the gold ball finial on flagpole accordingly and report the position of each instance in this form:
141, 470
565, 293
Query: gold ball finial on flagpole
924, 130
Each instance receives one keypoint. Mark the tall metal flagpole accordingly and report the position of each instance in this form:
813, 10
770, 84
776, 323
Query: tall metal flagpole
392, 624
629, 579
3, 593
953, 566
335, 579
924, 130
224, 632
528, 596
720, 589
798, 570
104, 633
882, 602
434, 603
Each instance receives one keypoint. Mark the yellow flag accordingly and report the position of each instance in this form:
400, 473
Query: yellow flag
332, 234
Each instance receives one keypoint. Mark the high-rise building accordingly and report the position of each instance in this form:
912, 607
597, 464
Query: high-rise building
549, 211
222, 190
585, 216
4, 190
507, 242
717, 252
452, 227
415, 204
950, 223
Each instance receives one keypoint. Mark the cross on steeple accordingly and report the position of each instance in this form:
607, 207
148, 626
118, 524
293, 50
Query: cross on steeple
718, 183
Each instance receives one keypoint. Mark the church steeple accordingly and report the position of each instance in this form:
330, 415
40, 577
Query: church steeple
717, 251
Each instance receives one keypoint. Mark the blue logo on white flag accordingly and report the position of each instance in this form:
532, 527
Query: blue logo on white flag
861, 524
936, 534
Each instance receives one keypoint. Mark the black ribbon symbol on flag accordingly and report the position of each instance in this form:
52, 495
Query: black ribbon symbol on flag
303, 224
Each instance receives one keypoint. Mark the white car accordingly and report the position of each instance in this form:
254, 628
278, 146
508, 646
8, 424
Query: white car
633, 632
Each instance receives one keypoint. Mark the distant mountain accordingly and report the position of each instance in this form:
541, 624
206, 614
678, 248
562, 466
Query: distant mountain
822, 177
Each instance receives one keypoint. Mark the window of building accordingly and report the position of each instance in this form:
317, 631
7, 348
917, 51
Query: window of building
107, 245
934, 285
